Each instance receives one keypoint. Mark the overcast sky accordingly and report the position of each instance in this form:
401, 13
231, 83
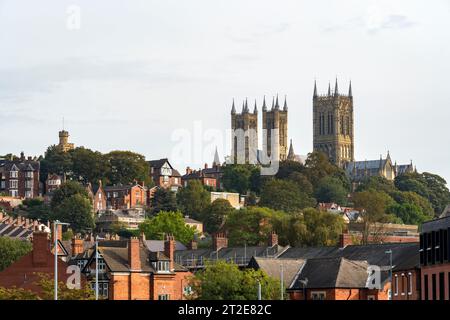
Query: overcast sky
138, 75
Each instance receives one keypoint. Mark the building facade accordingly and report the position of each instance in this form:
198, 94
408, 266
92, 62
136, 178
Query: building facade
19, 177
125, 197
333, 125
64, 144
164, 175
244, 126
275, 130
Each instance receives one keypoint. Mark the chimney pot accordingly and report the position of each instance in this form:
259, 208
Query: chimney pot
134, 258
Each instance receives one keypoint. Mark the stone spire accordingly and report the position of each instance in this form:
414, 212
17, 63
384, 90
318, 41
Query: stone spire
255, 109
246, 105
336, 91
329, 88
315, 89
273, 102
285, 107
264, 107
277, 106
233, 109
350, 94
216, 159
243, 106
291, 154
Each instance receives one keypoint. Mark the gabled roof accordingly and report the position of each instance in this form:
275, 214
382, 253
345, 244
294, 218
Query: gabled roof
332, 273
272, 267
157, 164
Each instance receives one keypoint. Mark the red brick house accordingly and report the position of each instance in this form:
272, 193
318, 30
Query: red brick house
199, 175
23, 273
435, 259
20, 177
406, 276
53, 182
129, 271
125, 197
98, 196
164, 175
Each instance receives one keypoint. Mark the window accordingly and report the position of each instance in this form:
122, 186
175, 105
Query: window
175, 180
81, 264
29, 174
161, 266
28, 194
442, 286
29, 184
13, 184
115, 194
101, 265
433, 287
187, 290
103, 289
396, 285
403, 284
13, 193
410, 279
371, 297
425, 286
318, 295
100, 196
163, 297
165, 178
13, 174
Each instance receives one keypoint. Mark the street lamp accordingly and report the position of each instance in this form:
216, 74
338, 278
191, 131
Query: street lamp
55, 233
259, 290
96, 266
389, 252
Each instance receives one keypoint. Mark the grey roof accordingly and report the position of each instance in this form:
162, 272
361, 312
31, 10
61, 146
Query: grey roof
436, 224
335, 272
272, 267
158, 245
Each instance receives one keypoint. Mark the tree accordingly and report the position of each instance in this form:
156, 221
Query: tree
35, 208
372, 206
251, 225
126, 167
409, 197
409, 213
284, 195
288, 167
163, 200
55, 161
318, 166
193, 199
89, 166
377, 183
241, 178
215, 215
224, 281
167, 223
302, 182
76, 210
66, 190
11, 250
330, 189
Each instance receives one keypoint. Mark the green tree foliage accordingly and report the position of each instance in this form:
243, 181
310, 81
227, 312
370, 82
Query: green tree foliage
224, 281
88, 166
66, 190
55, 161
241, 178
167, 222
427, 185
409, 197
76, 210
408, 213
284, 195
330, 189
302, 182
287, 168
215, 215
311, 228
163, 200
377, 183
193, 199
127, 166
251, 225
372, 205
35, 208
11, 250
318, 166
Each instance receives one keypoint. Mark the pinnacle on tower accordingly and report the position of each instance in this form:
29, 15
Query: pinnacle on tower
315, 89
336, 91
233, 109
243, 106
216, 159
255, 109
264, 107
329, 88
350, 94
273, 102
277, 106
291, 154
285, 107
246, 105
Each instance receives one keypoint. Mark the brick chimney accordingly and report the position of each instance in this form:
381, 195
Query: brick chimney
134, 257
77, 246
40, 249
1, 215
192, 245
206, 166
220, 240
345, 239
273, 239
169, 249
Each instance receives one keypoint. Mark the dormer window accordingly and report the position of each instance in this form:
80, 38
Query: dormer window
13, 174
161, 266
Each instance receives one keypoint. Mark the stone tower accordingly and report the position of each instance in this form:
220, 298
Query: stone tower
244, 127
333, 125
64, 144
275, 122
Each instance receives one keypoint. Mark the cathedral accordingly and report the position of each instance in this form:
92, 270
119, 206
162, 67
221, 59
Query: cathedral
333, 124
244, 127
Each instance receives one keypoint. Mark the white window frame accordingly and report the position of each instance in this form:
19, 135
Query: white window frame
322, 294
410, 283
403, 287
164, 296
13, 184
396, 285
14, 174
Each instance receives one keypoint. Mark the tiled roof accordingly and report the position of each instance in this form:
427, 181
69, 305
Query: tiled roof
158, 245
272, 267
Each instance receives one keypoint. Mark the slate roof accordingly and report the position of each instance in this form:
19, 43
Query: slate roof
335, 272
272, 267
158, 245
436, 224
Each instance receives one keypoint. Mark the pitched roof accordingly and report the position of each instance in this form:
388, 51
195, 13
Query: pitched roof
158, 245
158, 163
272, 267
335, 272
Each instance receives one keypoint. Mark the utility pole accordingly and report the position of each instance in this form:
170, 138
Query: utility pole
389, 252
282, 282
55, 234
259, 290
96, 267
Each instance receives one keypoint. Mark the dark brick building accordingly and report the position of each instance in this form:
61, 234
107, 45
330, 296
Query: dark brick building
20, 177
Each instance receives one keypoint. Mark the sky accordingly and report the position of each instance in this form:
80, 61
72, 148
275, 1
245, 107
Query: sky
159, 77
